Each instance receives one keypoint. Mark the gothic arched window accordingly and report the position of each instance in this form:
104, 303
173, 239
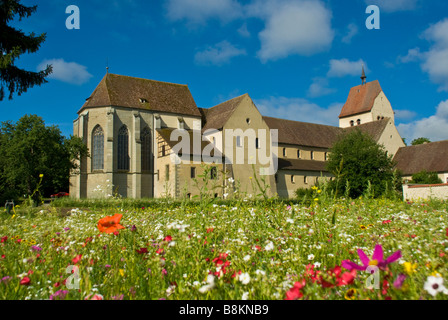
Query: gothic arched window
146, 149
123, 148
98, 148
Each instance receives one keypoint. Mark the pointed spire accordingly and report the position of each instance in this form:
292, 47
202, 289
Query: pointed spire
363, 76
107, 65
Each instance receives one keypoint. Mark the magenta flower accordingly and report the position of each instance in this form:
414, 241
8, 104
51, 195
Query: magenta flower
59, 295
377, 259
398, 283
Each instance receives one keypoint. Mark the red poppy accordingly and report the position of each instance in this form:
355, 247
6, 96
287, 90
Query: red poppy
110, 224
159, 251
25, 281
168, 238
142, 251
77, 258
6, 238
3, 256
387, 221
294, 293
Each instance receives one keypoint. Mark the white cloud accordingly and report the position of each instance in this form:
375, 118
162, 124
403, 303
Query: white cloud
436, 59
243, 31
219, 54
404, 114
293, 27
394, 5
199, 11
433, 128
70, 72
344, 67
352, 31
319, 88
299, 109
412, 56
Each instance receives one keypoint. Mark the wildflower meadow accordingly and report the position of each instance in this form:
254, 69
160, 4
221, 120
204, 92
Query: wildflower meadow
116, 249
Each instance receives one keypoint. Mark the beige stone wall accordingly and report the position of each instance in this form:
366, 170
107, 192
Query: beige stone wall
442, 176
415, 193
306, 153
364, 117
245, 117
391, 139
286, 186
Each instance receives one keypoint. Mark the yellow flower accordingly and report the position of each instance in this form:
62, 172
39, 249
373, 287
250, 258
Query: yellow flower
32, 242
41, 175
121, 272
436, 274
409, 268
350, 294
370, 225
317, 199
319, 191
314, 188
363, 227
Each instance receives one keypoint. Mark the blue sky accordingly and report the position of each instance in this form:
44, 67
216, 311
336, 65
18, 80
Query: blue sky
297, 59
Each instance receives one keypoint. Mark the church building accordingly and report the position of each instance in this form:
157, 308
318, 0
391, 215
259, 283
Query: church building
128, 125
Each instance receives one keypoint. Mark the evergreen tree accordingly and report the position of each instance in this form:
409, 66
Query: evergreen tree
14, 43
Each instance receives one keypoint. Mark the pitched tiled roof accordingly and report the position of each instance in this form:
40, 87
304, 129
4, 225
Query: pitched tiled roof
374, 129
361, 99
217, 116
303, 133
166, 135
432, 157
301, 165
124, 91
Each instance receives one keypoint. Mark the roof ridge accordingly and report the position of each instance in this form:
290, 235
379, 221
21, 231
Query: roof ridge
295, 121
239, 97
151, 80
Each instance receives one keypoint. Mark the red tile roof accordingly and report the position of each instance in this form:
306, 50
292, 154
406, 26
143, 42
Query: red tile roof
361, 99
123, 91
217, 116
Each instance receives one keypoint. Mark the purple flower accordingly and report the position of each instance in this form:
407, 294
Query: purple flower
107, 265
377, 259
36, 248
58, 233
67, 228
398, 283
133, 228
120, 297
59, 295
6, 279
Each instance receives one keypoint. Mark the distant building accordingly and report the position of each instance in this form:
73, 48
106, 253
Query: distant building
127, 124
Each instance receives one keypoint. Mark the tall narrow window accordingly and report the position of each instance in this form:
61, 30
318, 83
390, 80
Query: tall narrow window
298, 154
257, 143
293, 180
123, 148
352, 123
192, 172
305, 180
358, 122
312, 155
214, 173
167, 172
284, 152
146, 149
98, 148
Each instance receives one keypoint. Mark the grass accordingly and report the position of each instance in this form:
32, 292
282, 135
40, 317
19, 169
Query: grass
253, 249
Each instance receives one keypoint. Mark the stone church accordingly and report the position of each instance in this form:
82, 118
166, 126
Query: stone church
128, 124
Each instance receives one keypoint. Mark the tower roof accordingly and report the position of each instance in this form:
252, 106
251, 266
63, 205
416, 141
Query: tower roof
361, 99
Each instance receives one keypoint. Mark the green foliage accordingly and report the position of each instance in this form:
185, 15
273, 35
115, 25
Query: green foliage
418, 141
29, 149
14, 43
424, 177
357, 160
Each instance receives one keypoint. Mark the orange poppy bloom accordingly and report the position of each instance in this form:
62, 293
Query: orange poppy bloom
110, 224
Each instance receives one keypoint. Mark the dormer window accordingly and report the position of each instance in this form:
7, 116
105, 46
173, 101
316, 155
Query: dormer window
143, 100
352, 123
358, 122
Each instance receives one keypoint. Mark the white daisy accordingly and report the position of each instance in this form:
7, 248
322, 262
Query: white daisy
434, 285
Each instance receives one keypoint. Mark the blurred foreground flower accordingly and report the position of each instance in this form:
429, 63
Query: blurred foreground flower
110, 224
377, 259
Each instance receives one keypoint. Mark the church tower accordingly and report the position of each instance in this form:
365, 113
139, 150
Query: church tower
365, 103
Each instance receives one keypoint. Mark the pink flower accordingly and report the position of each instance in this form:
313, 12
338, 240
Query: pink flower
398, 283
377, 259
94, 297
25, 281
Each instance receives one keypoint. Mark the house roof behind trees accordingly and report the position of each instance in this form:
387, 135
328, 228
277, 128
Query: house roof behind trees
431, 157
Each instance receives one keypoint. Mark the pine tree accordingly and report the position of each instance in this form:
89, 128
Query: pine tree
13, 43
